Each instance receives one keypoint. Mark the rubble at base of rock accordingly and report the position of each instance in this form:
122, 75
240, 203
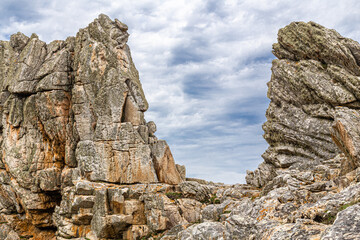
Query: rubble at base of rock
79, 161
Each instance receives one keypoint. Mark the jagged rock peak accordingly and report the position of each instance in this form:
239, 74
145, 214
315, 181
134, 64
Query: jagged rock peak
73, 111
305, 41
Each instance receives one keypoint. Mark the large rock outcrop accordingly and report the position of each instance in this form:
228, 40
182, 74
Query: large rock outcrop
79, 161
314, 81
73, 111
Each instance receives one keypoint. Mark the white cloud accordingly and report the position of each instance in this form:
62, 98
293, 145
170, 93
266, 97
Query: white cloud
204, 65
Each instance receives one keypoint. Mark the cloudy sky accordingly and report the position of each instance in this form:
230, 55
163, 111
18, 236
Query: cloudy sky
204, 65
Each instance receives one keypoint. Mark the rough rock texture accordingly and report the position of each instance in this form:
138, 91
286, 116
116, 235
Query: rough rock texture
314, 100
79, 161
72, 114
346, 225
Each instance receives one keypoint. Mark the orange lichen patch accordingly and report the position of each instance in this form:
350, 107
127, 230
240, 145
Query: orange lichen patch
54, 154
6, 167
264, 212
40, 219
80, 231
27, 230
140, 188
158, 188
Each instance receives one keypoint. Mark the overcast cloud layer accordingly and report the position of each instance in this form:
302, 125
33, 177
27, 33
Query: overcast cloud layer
203, 64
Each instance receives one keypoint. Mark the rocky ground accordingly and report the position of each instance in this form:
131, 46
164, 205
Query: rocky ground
79, 161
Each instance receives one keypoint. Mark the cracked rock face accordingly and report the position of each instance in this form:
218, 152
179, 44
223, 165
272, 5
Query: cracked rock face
73, 111
79, 161
314, 90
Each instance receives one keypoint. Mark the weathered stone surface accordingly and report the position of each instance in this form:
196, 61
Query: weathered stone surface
261, 175
79, 161
213, 212
346, 134
302, 229
301, 40
72, 113
196, 190
207, 230
182, 171
312, 117
190, 209
161, 213
346, 225
315, 75
164, 163
136, 232
307, 85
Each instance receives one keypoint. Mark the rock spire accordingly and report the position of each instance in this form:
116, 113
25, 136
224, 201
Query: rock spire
73, 111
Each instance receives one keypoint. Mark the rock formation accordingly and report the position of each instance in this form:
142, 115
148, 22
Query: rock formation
79, 161
72, 112
314, 80
312, 129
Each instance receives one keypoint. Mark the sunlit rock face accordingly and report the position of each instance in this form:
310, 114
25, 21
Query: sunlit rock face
73, 111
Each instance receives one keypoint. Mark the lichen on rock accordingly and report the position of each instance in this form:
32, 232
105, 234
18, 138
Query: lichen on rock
73, 111
79, 161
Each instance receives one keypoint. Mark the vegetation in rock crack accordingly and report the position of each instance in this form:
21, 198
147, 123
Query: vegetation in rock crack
174, 195
345, 206
214, 200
